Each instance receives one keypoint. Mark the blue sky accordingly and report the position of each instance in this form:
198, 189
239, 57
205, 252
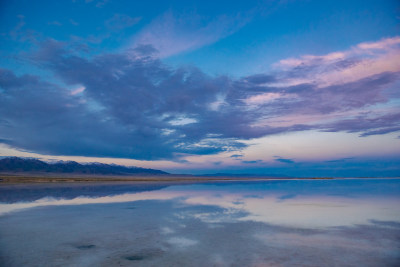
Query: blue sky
304, 88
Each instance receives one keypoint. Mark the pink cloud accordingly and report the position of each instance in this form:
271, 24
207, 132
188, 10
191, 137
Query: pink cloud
78, 90
382, 44
310, 59
264, 98
342, 67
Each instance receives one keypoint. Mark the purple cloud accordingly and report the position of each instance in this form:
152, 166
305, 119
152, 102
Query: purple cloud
367, 124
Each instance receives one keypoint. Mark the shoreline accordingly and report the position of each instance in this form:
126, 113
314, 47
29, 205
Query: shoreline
64, 178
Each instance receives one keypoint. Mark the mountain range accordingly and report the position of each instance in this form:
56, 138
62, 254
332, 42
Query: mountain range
29, 165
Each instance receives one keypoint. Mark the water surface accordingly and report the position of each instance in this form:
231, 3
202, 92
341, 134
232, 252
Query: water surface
344, 222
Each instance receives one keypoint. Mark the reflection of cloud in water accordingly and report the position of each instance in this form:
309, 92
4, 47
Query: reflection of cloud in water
167, 230
158, 195
315, 211
301, 211
280, 239
182, 242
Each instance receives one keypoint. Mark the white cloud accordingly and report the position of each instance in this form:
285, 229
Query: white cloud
182, 120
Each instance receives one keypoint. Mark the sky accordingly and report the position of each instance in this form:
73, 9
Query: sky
296, 88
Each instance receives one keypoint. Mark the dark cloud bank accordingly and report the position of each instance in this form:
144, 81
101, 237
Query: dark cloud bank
134, 106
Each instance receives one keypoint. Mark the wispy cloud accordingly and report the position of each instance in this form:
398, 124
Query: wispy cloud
55, 23
172, 34
98, 3
73, 22
120, 21
21, 33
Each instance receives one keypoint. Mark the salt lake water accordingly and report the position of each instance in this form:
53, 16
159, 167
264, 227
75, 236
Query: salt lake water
339, 222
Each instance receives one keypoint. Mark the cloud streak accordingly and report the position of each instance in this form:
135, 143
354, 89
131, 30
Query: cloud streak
172, 34
360, 62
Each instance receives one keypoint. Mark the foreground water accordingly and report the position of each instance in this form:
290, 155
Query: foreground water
351, 222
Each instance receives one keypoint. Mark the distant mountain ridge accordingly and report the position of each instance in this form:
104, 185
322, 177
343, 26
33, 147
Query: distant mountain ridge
16, 164
240, 175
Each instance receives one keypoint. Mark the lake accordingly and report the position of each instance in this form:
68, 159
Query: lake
338, 222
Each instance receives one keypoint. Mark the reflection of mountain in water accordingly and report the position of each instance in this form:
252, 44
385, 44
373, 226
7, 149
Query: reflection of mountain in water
24, 193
